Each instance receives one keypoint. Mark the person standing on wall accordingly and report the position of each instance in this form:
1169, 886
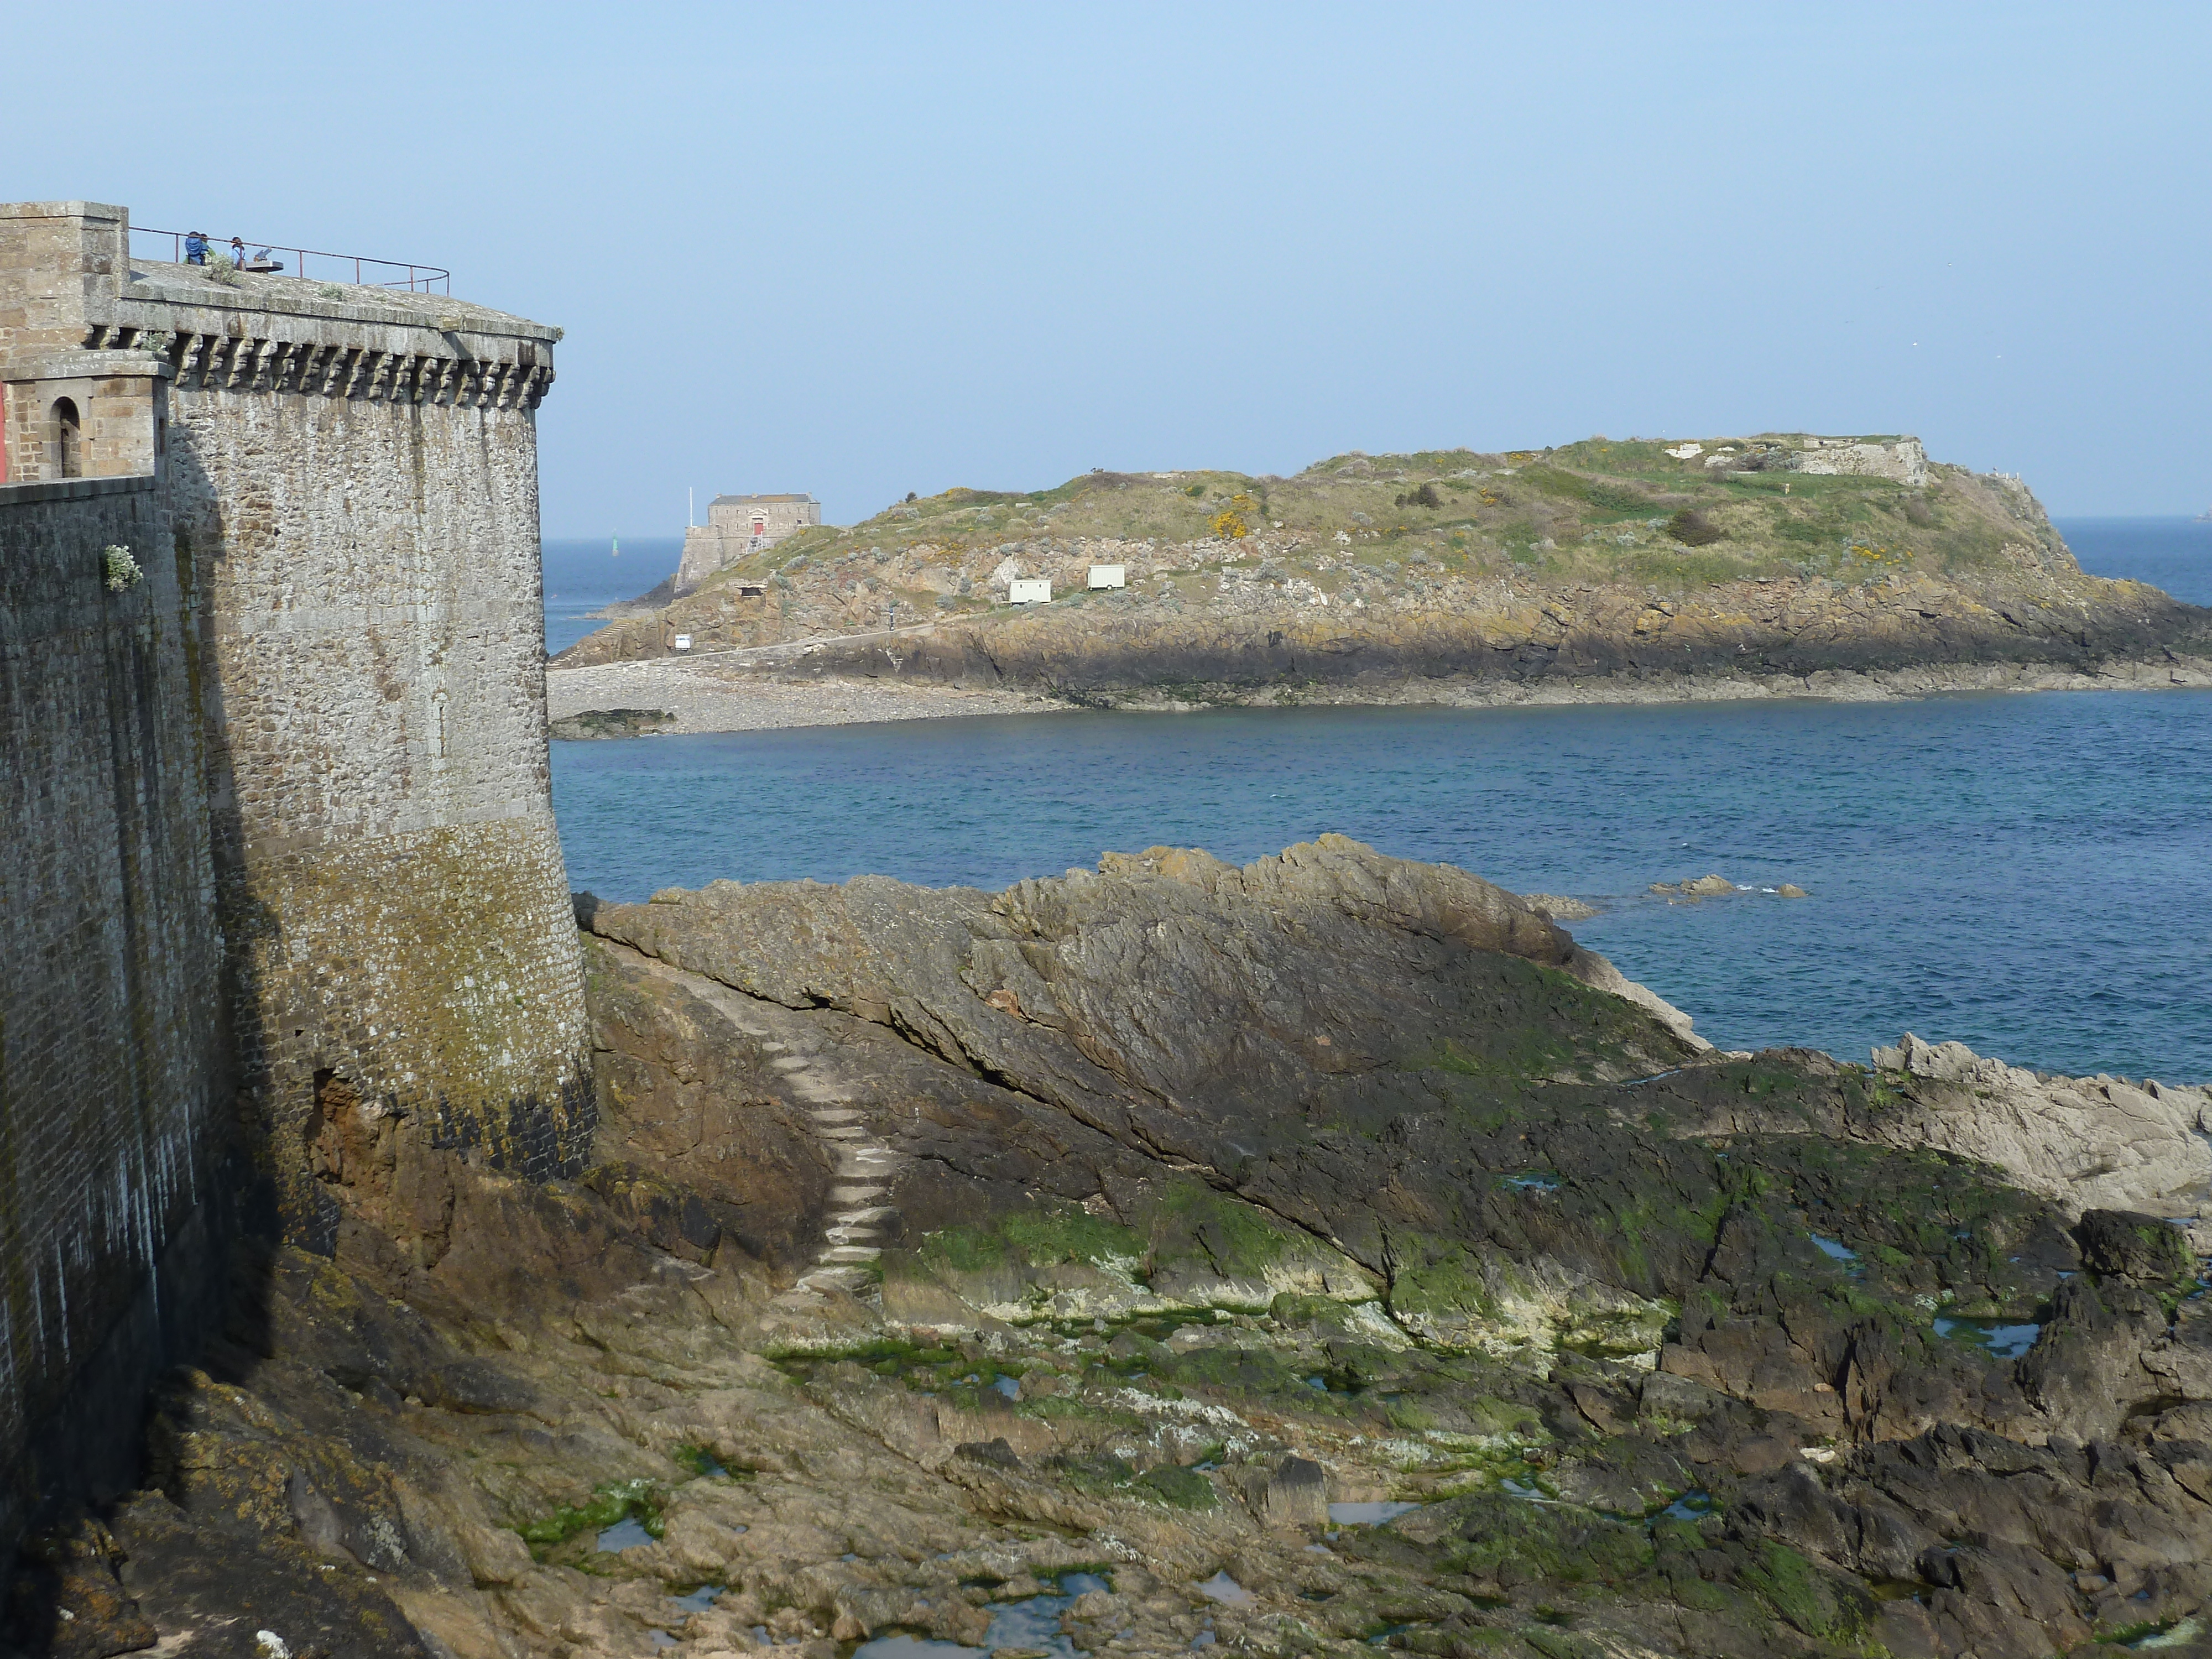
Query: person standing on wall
237, 254
196, 248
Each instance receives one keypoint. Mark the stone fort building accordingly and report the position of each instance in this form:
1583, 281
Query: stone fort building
278, 873
737, 526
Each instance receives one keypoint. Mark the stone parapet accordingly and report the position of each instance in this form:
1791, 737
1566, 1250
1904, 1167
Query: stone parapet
75, 489
247, 362
280, 334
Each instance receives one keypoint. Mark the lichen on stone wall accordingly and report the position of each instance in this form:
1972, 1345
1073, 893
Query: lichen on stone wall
437, 973
392, 885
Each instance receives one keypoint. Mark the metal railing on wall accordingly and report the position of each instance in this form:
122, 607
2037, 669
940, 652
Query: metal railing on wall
367, 272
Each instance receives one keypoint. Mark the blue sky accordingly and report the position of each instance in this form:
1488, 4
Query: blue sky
859, 251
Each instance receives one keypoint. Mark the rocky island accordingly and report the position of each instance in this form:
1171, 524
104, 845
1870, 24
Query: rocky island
1783, 564
1301, 1258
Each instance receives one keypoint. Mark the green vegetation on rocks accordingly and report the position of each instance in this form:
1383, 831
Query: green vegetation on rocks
1624, 570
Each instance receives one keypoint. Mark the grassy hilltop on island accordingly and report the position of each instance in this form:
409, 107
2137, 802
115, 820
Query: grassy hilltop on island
1783, 553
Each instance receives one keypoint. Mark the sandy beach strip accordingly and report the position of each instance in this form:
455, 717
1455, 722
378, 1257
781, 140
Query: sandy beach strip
704, 698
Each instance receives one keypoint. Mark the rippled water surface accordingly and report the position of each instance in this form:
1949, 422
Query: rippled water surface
2030, 874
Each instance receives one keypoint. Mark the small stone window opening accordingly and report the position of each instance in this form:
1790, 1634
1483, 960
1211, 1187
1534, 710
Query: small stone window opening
68, 438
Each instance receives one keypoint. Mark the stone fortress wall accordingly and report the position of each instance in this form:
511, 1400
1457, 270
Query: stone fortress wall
112, 1075
736, 525
303, 760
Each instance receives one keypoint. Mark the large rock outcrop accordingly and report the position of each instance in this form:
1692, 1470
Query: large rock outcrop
2087, 1142
988, 1267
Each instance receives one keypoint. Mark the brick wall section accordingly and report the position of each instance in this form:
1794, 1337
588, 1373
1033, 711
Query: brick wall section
112, 1072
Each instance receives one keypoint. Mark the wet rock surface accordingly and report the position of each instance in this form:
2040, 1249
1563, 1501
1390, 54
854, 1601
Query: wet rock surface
1318, 1255
612, 723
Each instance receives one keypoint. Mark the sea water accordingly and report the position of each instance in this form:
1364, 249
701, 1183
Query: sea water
582, 576
2029, 874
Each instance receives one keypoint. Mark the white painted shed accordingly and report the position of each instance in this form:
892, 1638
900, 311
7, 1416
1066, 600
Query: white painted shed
1107, 575
1030, 590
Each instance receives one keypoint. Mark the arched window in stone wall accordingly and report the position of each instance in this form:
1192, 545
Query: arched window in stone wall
67, 440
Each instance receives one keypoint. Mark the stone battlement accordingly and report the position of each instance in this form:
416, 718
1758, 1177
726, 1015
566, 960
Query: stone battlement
83, 312
279, 334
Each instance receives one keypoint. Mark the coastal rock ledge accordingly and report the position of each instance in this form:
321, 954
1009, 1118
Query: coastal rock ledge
2086, 1142
1292, 1258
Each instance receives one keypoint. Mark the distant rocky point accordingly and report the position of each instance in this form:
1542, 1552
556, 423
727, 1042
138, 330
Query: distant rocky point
1560, 908
2082, 1141
1705, 887
612, 723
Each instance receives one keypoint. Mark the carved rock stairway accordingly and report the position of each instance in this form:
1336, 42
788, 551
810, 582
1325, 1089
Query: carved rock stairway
864, 1162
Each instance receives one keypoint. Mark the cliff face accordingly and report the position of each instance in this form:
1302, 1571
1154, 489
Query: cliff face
937, 1244
1623, 565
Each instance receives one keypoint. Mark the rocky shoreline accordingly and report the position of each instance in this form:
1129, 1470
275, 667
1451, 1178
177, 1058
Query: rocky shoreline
1580, 647
756, 689
1323, 1254
702, 695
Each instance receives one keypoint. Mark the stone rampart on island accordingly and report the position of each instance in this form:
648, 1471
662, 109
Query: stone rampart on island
274, 822
737, 526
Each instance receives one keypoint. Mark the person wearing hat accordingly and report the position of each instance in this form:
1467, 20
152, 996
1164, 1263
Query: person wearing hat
195, 247
237, 254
